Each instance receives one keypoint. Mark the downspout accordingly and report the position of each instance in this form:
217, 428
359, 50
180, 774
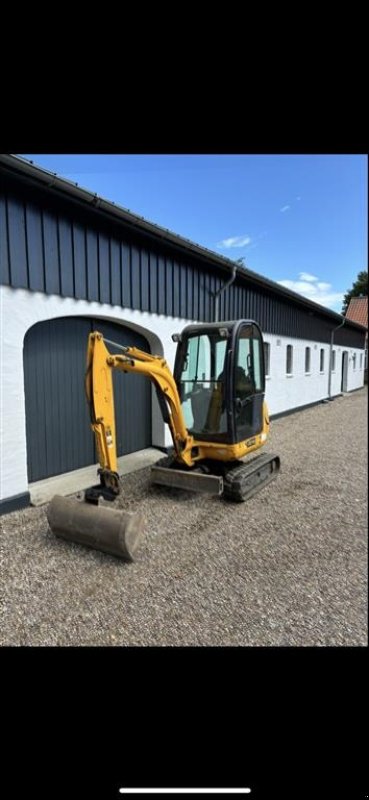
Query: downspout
220, 291
330, 358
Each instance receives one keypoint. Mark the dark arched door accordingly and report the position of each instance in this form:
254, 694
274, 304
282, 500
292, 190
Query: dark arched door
59, 437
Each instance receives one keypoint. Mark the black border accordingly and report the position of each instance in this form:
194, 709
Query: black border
288, 722
78, 722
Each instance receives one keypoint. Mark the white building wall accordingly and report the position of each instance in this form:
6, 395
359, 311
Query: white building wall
284, 392
356, 373
20, 309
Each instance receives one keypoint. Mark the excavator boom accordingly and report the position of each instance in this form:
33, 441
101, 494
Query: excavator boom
100, 395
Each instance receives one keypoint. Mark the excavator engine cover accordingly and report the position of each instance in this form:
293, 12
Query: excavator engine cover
116, 532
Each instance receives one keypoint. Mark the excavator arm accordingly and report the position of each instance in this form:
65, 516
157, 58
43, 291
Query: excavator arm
100, 396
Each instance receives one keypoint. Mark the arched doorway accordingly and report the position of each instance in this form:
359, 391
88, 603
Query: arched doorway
59, 437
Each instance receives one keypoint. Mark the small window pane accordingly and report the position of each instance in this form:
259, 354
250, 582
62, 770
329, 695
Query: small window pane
202, 382
249, 356
307, 359
322, 360
333, 360
289, 359
267, 357
361, 360
354, 361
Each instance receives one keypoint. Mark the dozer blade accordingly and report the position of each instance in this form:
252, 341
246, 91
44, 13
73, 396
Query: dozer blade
115, 532
187, 480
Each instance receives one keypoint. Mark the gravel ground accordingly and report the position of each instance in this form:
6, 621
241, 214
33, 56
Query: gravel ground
289, 567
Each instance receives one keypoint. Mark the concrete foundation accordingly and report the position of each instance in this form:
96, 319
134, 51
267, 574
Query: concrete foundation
42, 491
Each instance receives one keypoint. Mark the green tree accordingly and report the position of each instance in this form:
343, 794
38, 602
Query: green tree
360, 286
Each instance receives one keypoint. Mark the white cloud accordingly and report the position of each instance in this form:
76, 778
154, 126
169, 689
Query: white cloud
234, 241
319, 291
306, 276
284, 208
323, 287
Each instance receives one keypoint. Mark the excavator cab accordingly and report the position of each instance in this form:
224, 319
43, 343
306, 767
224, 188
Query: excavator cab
219, 371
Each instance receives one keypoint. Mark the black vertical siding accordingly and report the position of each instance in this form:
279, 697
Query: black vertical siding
35, 249
17, 243
206, 297
136, 277
176, 307
196, 278
189, 302
54, 363
80, 262
227, 304
132, 393
125, 256
236, 311
59, 437
153, 270
202, 304
66, 258
183, 305
92, 266
51, 253
145, 281
162, 291
217, 285
115, 273
104, 269
244, 304
58, 249
171, 302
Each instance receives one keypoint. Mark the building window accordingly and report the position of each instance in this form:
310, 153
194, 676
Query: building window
307, 359
267, 358
366, 359
361, 360
322, 360
333, 365
289, 359
354, 361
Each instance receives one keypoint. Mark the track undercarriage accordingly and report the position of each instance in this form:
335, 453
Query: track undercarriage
236, 481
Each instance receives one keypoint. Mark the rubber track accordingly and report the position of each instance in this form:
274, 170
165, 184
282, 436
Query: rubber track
244, 480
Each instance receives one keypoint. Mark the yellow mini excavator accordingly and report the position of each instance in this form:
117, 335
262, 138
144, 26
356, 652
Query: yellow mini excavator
215, 408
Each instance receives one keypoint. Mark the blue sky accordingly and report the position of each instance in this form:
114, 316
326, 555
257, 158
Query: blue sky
299, 220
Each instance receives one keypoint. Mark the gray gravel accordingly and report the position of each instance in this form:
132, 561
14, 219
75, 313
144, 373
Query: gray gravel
287, 568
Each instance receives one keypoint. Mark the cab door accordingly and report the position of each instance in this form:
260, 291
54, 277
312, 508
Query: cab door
248, 381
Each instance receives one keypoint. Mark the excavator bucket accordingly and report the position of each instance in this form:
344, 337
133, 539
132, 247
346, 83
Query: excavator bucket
116, 532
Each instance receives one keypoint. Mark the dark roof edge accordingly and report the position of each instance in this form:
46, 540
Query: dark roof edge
50, 180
